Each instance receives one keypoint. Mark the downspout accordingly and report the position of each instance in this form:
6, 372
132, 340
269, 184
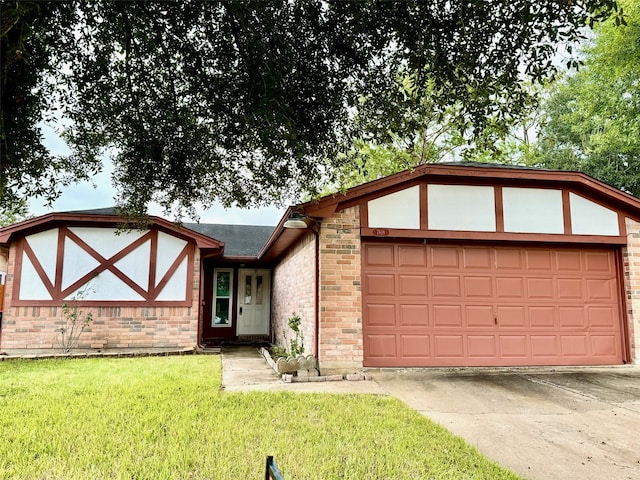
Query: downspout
316, 347
201, 301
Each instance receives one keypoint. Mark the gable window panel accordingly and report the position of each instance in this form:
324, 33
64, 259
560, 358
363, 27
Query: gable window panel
461, 208
396, 210
532, 210
590, 218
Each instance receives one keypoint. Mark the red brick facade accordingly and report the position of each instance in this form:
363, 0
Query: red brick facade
112, 327
340, 337
294, 291
340, 345
631, 259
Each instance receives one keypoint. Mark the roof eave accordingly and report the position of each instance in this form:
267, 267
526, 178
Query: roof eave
327, 205
7, 233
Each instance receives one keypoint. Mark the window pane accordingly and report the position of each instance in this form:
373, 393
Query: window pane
259, 290
222, 284
247, 289
221, 316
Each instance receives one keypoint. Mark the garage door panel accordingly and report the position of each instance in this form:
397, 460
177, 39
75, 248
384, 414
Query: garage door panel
571, 317
380, 315
379, 255
478, 287
444, 257
513, 346
447, 305
599, 262
412, 285
604, 345
480, 316
446, 286
447, 316
600, 289
508, 259
570, 288
448, 346
569, 261
574, 345
509, 287
381, 346
481, 346
412, 256
544, 346
476, 258
415, 346
542, 317
414, 315
380, 285
512, 316
601, 317
540, 287
539, 260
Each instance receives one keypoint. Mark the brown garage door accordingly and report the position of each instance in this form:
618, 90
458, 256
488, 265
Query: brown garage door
452, 305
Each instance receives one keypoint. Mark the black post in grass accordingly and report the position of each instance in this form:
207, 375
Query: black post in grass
272, 472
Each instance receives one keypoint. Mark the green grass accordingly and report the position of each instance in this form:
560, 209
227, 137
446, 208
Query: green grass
165, 417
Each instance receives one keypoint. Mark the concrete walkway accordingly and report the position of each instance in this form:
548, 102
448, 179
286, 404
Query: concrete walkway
244, 369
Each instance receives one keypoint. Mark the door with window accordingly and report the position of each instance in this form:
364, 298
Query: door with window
253, 301
218, 315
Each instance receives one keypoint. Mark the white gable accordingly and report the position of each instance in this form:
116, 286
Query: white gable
461, 207
532, 210
396, 210
590, 218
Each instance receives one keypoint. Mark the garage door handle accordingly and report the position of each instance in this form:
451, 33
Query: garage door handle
495, 319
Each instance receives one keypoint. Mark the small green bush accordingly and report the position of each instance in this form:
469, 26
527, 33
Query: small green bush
297, 343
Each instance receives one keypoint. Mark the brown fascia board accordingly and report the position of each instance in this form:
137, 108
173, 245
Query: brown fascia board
36, 224
275, 235
281, 238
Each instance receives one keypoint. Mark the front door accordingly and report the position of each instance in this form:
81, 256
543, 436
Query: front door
219, 305
253, 301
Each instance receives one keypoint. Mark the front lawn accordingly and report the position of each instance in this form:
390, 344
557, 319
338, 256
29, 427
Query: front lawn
165, 417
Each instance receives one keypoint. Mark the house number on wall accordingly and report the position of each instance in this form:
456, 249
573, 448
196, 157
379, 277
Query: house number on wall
381, 232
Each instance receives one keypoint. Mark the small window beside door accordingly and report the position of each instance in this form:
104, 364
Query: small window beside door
223, 299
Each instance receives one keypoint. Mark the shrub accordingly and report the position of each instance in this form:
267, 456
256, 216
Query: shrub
76, 322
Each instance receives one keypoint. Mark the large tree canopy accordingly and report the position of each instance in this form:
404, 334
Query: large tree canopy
591, 120
244, 101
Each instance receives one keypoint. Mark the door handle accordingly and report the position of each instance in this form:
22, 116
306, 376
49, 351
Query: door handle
240, 310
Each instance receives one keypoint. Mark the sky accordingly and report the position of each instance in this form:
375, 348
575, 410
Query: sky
84, 196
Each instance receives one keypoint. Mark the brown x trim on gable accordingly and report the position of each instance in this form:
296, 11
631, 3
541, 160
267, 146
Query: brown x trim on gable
149, 295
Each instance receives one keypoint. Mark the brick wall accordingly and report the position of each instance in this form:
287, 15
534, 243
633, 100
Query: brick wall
631, 259
293, 290
341, 348
112, 327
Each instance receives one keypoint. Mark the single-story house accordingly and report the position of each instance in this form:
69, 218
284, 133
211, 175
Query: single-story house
443, 265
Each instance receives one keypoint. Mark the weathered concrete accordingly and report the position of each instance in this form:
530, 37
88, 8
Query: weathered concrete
245, 369
541, 423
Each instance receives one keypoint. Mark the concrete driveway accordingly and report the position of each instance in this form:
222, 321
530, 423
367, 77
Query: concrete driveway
541, 423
